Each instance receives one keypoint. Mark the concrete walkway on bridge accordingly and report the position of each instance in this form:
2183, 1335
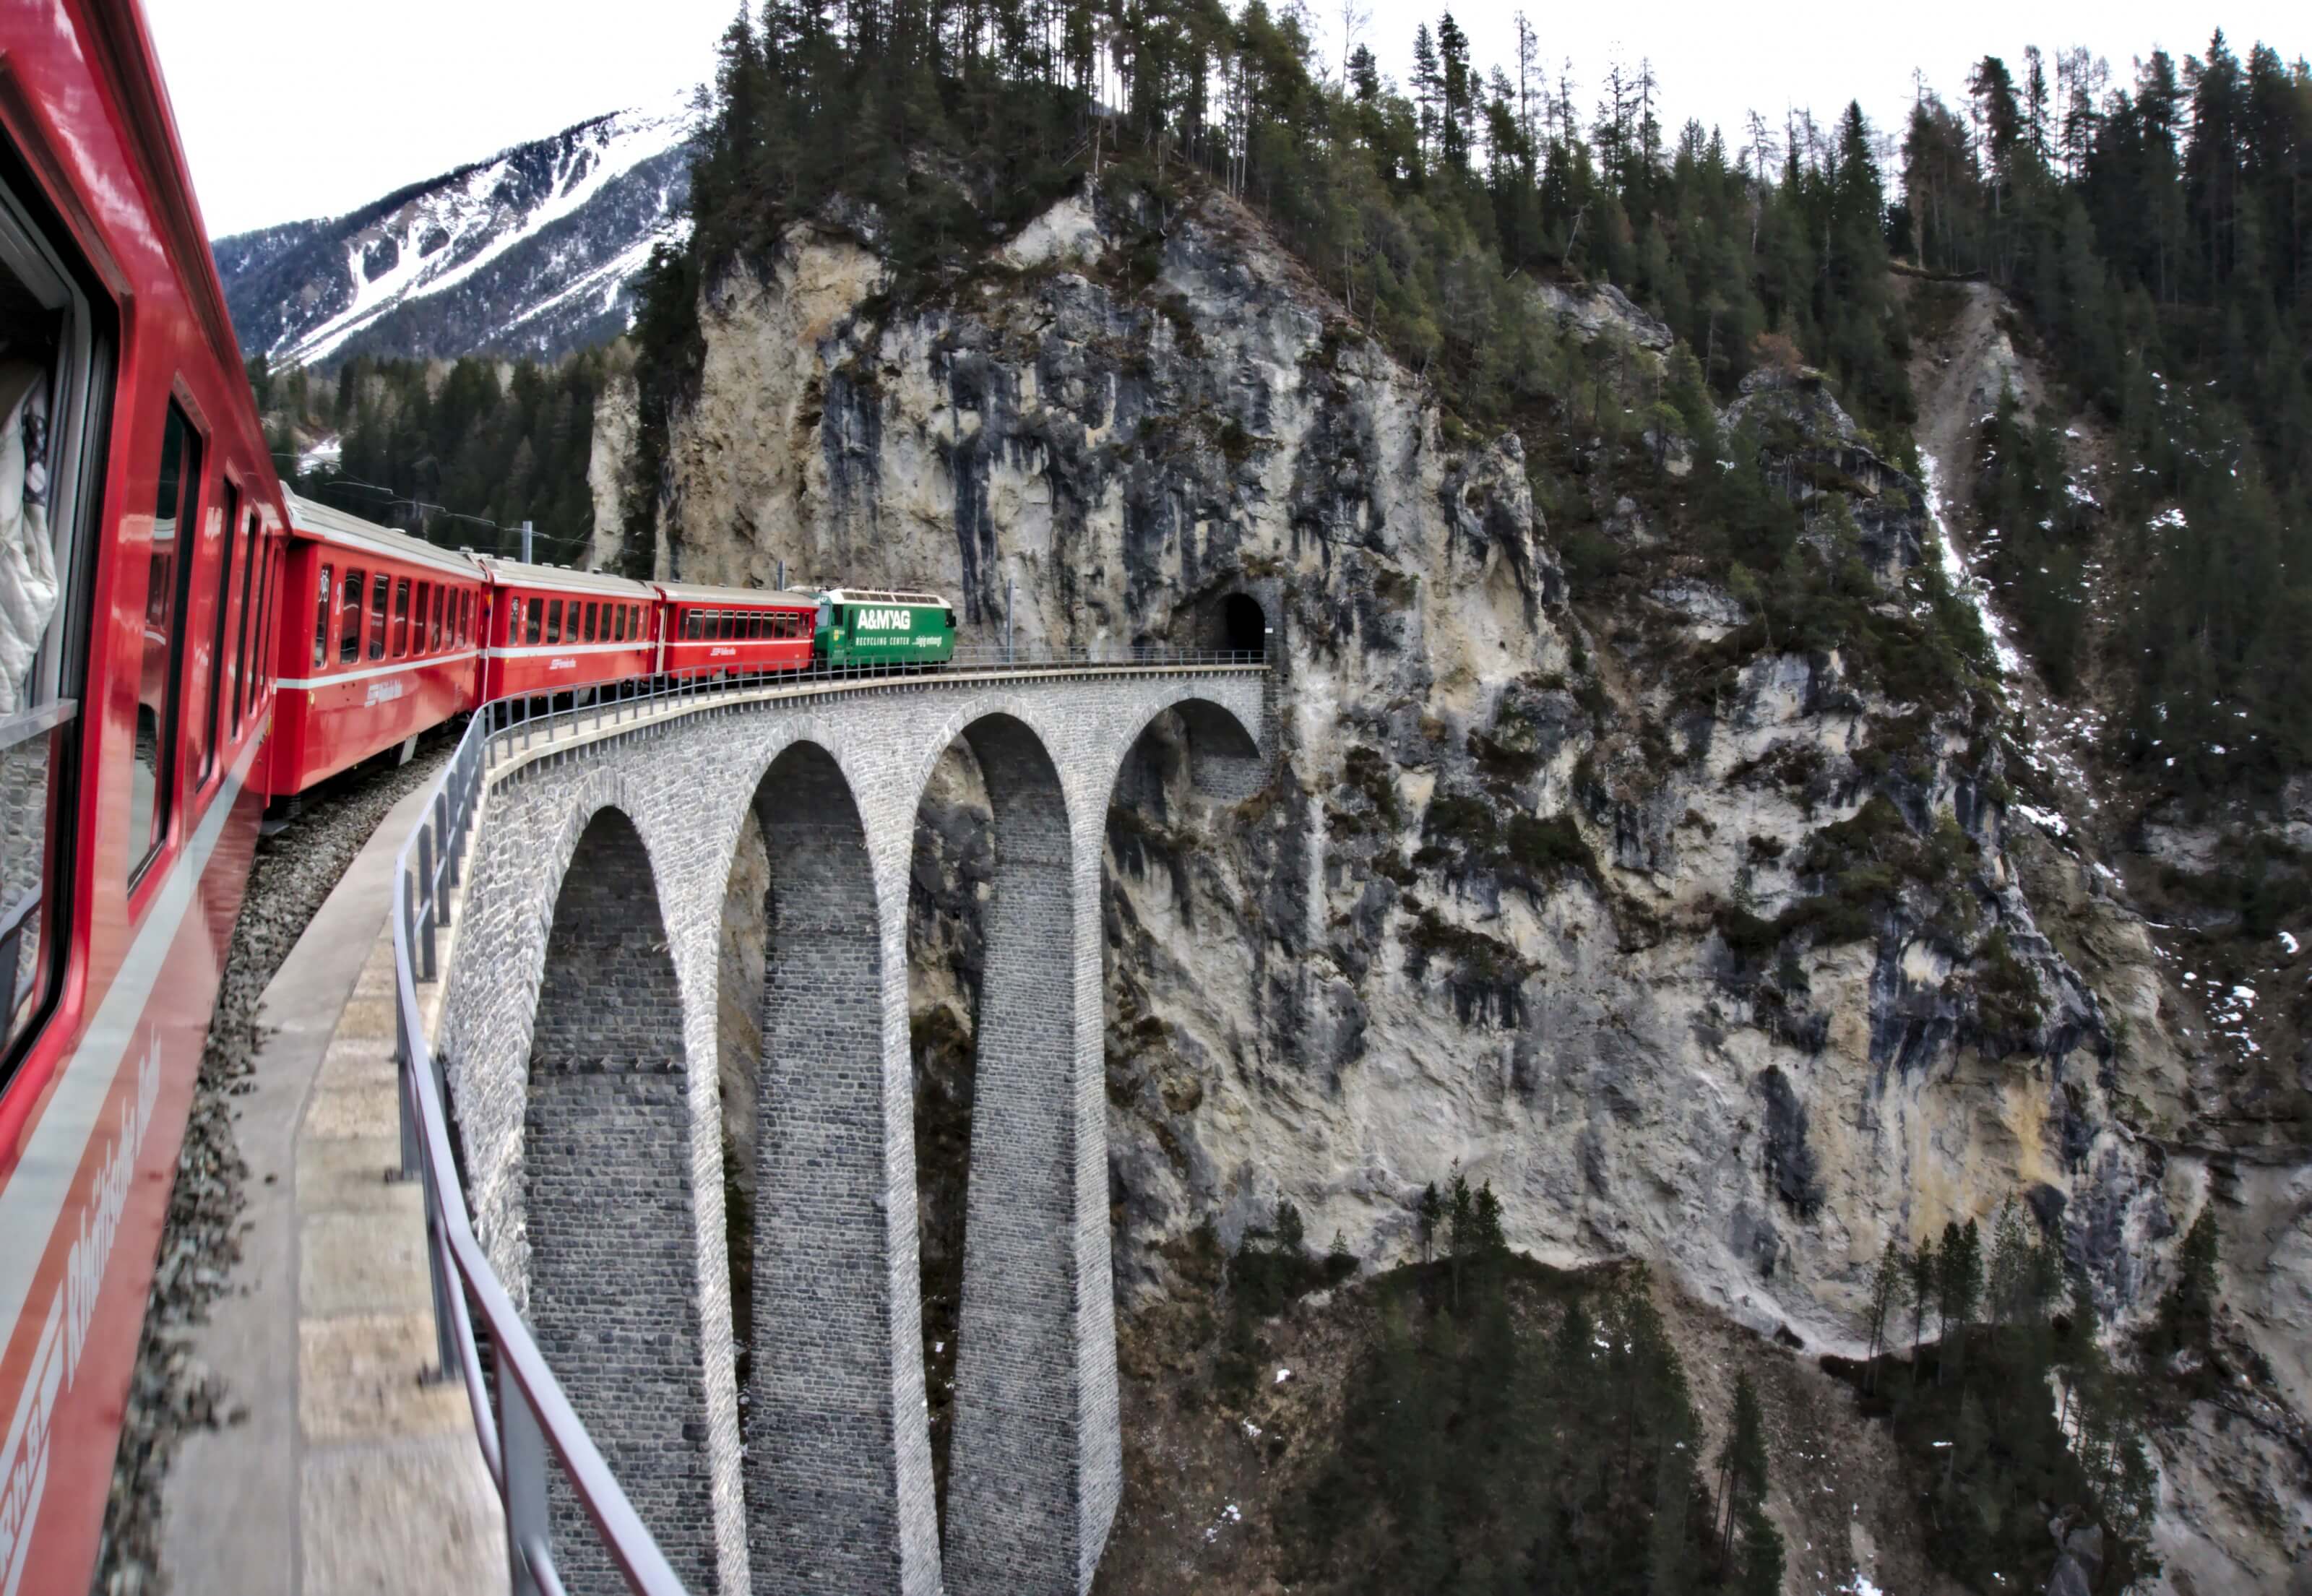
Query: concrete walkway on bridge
353, 1472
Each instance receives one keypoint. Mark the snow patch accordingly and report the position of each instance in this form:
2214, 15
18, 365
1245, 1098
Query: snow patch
1970, 587
444, 238
2046, 820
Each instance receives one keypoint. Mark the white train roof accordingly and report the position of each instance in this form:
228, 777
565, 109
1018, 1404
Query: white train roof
865, 595
694, 592
325, 523
556, 579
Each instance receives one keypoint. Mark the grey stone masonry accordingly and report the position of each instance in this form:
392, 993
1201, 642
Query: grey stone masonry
1034, 1442
833, 1492
611, 1290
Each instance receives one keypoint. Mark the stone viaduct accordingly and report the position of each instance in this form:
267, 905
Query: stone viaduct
578, 1021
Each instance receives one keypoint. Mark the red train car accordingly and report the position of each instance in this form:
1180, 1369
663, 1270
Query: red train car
721, 628
381, 641
141, 544
554, 631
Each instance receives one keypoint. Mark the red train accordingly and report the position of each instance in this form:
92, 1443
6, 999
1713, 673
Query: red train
142, 537
179, 642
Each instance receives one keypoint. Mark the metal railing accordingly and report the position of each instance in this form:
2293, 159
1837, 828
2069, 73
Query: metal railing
531, 1420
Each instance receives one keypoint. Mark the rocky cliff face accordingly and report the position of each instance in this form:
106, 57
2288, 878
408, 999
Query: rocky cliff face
1730, 957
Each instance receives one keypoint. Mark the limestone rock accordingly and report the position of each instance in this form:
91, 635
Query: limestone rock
1482, 913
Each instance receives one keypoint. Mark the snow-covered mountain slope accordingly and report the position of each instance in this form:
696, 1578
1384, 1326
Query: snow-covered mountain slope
533, 251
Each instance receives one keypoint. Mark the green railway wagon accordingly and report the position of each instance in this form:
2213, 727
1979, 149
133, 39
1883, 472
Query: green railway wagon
861, 627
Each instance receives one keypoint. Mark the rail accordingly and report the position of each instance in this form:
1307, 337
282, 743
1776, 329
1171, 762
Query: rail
530, 1425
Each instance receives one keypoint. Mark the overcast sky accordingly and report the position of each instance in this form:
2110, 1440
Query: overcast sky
309, 108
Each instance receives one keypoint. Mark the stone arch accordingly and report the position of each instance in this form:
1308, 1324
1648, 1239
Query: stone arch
1188, 741
609, 1205
838, 1468
1036, 1465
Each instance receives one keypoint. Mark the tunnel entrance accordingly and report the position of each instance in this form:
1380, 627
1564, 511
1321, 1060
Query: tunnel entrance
1244, 624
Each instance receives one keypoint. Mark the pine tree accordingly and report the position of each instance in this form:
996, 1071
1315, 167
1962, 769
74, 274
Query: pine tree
1925, 1271
1425, 1216
1886, 1286
1762, 1552
1742, 1460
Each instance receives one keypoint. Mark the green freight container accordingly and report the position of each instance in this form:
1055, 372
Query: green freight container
858, 626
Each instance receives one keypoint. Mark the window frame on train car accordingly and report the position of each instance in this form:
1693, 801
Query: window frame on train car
433, 629
250, 570
400, 618
36, 249
466, 617
535, 626
327, 613
513, 619
353, 599
380, 612
553, 623
269, 567
229, 492
178, 488
420, 590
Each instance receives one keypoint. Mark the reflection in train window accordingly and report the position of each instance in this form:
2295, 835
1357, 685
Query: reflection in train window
55, 356
169, 568
210, 672
270, 569
247, 605
379, 585
349, 618
320, 623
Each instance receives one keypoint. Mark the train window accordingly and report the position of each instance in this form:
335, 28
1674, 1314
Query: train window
169, 563
56, 364
433, 626
349, 617
591, 617
401, 617
248, 604
465, 617
554, 620
513, 620
537, 620
321, 624
380, 587
213, 723
424, 591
